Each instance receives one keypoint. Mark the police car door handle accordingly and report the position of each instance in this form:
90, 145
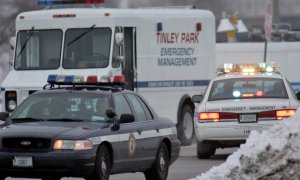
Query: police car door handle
139, 130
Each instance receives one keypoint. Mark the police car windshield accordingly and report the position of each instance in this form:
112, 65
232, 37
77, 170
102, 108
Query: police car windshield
64, 107
87, 48
245, 88
38, 49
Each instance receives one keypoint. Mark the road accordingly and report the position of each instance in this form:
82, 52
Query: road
186, 167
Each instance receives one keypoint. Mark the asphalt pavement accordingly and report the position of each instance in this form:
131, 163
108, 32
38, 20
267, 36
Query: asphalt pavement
186, 167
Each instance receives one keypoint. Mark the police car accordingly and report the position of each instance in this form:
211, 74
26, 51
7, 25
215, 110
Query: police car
241, 99
86, 130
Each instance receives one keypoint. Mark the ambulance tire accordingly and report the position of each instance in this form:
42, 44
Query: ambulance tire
103, 165
185, 126
160, 167
205, 150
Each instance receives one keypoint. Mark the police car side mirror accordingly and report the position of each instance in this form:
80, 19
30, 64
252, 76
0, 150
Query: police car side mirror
126, 118
110, 113
197, 98
3, 116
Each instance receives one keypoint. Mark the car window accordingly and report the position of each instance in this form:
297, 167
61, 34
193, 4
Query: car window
142, 112
79, 106
241, 88
122, 106
149, 114
292, 90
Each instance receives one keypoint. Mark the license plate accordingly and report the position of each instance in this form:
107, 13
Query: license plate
22, 161
247, 118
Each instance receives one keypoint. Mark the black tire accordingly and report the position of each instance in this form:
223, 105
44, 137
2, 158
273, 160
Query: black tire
51, 178
160, 168
212, 151
185, 127
204, 150
103, 165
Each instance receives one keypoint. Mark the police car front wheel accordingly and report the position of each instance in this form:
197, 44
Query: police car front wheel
160, 168
103, 165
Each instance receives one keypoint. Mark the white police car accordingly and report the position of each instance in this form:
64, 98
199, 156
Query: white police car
86, 131
242, 98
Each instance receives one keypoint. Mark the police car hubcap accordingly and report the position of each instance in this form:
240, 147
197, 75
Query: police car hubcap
162, 163
103, 167
188, 125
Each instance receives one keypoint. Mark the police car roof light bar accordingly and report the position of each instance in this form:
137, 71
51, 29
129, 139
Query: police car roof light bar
248, 68
60, 2
54, 79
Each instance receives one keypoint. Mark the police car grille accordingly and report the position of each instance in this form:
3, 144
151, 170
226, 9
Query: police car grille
26, 144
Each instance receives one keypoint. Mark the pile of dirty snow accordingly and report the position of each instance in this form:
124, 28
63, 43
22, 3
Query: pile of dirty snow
273, 154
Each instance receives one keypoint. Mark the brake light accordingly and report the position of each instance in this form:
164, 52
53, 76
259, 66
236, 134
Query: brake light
217, 116
280, 114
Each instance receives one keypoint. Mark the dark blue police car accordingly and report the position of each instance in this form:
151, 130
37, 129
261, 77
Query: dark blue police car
85, 131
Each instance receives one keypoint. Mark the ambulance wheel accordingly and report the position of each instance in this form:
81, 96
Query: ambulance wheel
205, 150
103, 165
160, 168
185, 127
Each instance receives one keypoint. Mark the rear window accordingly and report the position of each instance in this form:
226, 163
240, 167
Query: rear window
243, 88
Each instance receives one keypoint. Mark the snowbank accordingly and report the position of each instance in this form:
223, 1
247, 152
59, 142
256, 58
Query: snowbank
273, 154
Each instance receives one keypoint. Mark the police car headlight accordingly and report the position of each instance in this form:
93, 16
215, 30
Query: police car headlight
73, 145
12, 105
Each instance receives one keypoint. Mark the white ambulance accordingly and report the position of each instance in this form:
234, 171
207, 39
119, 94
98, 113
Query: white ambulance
167, 55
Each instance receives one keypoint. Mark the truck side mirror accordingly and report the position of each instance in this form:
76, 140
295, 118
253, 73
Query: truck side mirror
119, 38
12, 42
197, 98
117, 61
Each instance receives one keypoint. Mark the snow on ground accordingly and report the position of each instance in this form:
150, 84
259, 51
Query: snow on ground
273, 154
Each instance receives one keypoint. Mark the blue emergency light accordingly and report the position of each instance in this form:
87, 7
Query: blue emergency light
59, 2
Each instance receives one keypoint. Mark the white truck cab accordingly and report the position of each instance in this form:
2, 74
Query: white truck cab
166, 55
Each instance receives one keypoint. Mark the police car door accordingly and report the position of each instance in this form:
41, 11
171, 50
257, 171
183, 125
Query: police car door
130, 150
147, 128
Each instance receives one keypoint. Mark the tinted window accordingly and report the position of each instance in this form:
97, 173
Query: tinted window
241, 88
122, 106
